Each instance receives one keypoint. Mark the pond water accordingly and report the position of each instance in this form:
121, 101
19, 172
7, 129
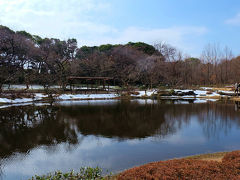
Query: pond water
114, 135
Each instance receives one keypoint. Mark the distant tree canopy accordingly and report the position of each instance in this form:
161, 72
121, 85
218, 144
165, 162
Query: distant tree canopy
27, 58
146, 48
25, 34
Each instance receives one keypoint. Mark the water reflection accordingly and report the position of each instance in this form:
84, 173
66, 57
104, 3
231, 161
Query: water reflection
237, 105
25, 128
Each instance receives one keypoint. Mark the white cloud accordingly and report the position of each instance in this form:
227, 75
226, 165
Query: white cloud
53, 18
81, 19
234, 21
43, 159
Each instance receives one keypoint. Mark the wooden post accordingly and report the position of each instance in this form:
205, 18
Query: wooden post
91, 87
96, 84
103, 84
70, 83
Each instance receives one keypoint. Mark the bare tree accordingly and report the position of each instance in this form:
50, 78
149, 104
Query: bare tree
211, 56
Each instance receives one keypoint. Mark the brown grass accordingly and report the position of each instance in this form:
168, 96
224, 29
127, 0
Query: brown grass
210, 97
235, 98
194, 167
224, 89
209, 157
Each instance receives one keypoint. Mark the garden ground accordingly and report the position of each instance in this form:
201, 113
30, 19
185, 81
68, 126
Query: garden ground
208, 166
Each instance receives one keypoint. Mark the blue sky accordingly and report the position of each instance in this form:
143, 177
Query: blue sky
186, 24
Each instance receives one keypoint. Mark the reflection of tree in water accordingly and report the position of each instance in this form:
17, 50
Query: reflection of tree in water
124, 121
23, 128
130, 120
217, 118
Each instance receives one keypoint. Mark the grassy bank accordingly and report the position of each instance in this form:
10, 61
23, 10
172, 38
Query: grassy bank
208, 157
207, 166
219, 165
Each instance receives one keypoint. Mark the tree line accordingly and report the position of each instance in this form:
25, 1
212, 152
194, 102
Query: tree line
30, 59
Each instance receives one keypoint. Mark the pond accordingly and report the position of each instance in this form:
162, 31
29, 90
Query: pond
114, 135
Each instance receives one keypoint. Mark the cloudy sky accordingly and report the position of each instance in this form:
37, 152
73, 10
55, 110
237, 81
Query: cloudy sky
187, 24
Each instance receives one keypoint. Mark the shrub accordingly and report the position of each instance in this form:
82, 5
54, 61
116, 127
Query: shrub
172, 92
84, 173
209, 92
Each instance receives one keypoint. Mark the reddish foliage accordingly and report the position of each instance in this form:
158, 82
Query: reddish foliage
229, 168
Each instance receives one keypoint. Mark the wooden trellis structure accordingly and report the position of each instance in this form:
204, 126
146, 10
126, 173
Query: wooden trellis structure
101, 81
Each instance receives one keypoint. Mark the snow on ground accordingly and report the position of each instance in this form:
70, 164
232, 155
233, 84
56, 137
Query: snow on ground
86, 96
182, 90
86, 102
40, 96
199, 93
15, 101
68, 97
205, 88
24, 104
143, 93
223, 91
227, 92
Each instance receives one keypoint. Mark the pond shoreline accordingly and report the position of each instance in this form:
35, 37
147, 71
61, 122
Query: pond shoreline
204, 93
216, 157
204, 166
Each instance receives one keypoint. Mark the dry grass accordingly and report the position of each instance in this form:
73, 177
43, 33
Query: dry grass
223, 89
209, 157
207, 166
210, 97
235, 98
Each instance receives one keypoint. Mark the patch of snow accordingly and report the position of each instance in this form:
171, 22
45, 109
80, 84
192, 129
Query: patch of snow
205, 88
12, 101
145, 93
39, 96
23, 104
230, 92
182, 90
23, 100
86, 96
213, 94
201, 93
86, 102
5, 100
